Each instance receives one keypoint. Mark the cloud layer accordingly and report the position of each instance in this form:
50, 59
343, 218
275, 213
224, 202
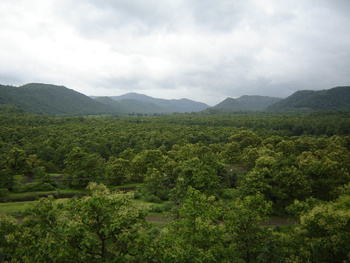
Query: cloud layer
204, 50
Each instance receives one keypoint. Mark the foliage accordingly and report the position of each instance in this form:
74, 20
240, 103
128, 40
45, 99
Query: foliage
48, 99
258, 164
99, 228
81, 167
324, 233
195, 236
247, 239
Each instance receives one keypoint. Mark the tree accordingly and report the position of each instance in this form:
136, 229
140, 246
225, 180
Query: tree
154, 184
117, 170
247, 239
145, 160
103, 227
16, 161
82, 168
324, 233
197, 174
196, 236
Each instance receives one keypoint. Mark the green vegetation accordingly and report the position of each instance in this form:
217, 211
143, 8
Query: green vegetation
218, 176
15, 208
142, 104
246, 103
51, 100
337, 98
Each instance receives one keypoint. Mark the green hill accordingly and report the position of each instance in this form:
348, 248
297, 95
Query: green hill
337, 98
230, 104
50, 99
257, 103
246, 103
132, 106
139, 103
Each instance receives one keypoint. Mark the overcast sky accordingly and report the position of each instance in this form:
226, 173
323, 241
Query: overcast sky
204, 50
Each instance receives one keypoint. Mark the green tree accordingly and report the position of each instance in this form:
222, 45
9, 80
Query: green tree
117, 170
16, 161
324, 233
145, 160
196, 236
106, 226
103, 227
246, 238
82, 168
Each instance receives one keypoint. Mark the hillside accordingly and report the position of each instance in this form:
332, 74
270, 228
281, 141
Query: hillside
139, 103
246, 103
230, 104
256, 103
131, 105
50, 99
337, 98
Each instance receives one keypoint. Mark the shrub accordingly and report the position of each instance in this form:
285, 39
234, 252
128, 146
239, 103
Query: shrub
153, 199
38, 186
228, 194
4, 192
160, 208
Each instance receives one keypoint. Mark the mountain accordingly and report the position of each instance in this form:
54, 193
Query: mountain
337, 98
50, 99
131, 105
257, 103
139, 103
246, 103
230, 104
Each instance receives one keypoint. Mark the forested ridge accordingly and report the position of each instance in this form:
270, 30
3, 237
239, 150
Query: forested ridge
217, 175
50, 100
337, 98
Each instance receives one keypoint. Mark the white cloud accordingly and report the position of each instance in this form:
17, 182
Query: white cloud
204, 50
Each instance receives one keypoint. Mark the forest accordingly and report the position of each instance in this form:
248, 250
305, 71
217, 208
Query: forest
216, 177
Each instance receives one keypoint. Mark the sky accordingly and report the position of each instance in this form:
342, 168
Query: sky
203, 50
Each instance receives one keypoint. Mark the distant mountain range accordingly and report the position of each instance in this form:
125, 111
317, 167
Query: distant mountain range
246, 103
55, 100
139, 103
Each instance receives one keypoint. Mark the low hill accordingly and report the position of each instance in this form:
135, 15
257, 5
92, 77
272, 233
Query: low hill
257, 103
230, 104
131, 106
139, 103
337, 98
50, 99
246, 103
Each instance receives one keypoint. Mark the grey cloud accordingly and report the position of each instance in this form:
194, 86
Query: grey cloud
213, 49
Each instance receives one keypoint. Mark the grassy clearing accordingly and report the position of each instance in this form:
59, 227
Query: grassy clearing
31, 196
16, 208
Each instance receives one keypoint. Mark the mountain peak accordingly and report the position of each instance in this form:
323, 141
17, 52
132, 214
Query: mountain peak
246, 103
337, 98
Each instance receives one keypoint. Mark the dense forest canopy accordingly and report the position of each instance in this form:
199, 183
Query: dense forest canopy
222, 173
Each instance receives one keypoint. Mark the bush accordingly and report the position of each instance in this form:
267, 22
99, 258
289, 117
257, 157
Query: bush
37, 186
4, 192
228, 194
18, 187
160, 208
137, 194
153, 199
